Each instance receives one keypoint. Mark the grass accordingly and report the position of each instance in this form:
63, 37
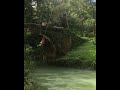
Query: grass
86, 51
83, 56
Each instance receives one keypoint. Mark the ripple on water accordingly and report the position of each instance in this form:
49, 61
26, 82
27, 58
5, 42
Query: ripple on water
64, 79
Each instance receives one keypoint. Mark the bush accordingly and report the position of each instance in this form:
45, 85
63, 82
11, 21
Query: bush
27, 66
90, 35
93, 40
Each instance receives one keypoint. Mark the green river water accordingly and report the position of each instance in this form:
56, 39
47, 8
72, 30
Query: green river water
57, 78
